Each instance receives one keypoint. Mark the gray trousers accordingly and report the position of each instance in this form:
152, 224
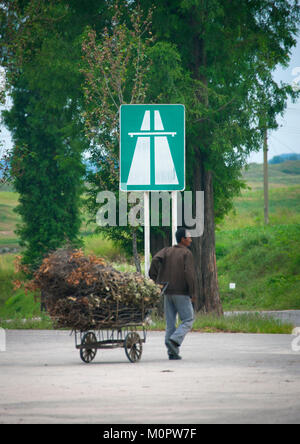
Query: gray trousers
181, 304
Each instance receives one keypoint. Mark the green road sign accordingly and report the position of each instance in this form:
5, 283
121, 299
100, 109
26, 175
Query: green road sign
152, 147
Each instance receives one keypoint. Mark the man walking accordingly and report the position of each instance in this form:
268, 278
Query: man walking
175, 265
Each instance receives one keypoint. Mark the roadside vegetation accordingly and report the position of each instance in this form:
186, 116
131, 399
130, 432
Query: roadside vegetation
263, 261
255, 323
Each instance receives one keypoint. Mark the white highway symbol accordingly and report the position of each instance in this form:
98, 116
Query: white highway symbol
140, 171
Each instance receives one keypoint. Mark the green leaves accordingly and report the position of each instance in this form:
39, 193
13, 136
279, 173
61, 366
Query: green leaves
41, 54
225, 56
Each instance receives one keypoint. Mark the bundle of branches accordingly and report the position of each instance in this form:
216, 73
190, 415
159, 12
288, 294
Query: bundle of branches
84, 293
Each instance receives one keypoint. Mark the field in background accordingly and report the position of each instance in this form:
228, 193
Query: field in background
281, 175
8, 219
284, 203
263, 262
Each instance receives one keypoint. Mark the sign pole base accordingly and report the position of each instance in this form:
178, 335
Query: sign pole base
174, 217
147, 232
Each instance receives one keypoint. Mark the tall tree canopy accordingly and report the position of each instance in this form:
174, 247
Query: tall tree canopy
215, 56
41, 51
229, 49
123, 64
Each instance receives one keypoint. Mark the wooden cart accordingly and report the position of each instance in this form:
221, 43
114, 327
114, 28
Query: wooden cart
119, 334
127, 337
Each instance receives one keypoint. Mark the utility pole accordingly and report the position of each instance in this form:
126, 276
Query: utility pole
266, 179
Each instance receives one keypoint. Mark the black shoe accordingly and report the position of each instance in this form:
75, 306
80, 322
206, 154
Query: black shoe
174, 358
172, 348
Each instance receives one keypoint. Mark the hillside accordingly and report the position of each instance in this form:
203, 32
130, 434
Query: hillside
263, 262
284, 207
282, 174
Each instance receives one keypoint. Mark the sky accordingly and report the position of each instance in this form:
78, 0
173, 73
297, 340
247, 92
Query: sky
284, 140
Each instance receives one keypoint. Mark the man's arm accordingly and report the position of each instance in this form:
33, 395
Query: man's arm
156, 264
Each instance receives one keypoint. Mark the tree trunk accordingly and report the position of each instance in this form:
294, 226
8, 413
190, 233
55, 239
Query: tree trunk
159, 241
211, 298
204, 249
135, 252
208, 297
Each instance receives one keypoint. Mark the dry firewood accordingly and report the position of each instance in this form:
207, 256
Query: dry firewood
85, 293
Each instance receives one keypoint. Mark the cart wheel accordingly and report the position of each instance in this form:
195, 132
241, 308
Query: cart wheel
133, 347
88, 354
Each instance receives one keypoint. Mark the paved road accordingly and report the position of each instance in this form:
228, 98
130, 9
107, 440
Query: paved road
223, 378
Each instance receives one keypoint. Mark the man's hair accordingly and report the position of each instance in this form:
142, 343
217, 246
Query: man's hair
180, 233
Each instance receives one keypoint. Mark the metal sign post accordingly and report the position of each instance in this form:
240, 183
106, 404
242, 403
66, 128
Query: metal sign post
174, 217
147, 231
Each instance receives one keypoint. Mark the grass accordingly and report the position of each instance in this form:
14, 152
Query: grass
14, 304
97, 245
7, 275
8, 219
238, 323
20, 305
263, 262
242, 323
282, 175
43, 322
284, 208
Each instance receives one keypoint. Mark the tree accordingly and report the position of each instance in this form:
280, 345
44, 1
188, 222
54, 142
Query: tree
122, 65
114, 74
2, 102
41, 52
230, 50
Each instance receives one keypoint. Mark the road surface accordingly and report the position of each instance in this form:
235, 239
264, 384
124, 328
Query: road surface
223, 378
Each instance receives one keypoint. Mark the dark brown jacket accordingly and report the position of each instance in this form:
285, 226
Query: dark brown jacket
176, 266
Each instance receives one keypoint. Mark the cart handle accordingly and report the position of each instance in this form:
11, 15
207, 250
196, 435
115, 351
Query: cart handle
165, 286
